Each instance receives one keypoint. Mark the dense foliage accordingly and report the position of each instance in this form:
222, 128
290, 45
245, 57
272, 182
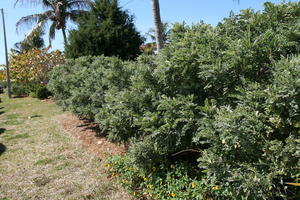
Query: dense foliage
29, 71
107, 30
2, 73
32, 41
219, 104
33, 65
58, 13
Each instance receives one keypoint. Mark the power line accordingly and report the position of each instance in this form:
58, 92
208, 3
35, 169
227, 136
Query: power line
128, 2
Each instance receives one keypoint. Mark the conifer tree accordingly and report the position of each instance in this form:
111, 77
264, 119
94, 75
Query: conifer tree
105, 30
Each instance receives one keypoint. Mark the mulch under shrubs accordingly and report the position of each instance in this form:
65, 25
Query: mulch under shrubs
88, 134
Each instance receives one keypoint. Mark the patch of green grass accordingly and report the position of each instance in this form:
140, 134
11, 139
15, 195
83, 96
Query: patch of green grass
45, 161
14, 122
12, 116
18, 136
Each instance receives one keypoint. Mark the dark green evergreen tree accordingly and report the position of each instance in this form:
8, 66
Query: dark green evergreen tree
107, 30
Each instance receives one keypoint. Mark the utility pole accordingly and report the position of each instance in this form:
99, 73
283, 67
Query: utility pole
6, 56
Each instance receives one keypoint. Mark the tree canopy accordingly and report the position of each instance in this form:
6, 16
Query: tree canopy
58, 13
107, 30
33, 40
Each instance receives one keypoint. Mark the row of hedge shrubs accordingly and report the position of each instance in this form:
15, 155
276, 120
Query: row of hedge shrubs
32, 90
29, 89
216, 115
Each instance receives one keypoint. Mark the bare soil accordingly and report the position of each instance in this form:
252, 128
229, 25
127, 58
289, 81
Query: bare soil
88, 135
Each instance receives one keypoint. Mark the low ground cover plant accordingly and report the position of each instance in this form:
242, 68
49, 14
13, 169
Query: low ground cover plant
218, 104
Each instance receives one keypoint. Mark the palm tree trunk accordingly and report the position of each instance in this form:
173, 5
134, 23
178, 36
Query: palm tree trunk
65, 36
158, 25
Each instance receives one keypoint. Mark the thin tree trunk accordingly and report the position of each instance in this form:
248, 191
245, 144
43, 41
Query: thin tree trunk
158, 25
65, 36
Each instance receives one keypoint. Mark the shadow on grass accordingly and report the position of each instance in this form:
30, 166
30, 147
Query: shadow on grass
1, 112
2, 130
19, 96
35, 116
2, 148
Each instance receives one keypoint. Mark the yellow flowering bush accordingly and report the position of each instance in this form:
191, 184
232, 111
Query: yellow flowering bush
33, 65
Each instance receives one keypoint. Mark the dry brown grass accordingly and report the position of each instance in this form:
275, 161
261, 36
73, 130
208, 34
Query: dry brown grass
38, 160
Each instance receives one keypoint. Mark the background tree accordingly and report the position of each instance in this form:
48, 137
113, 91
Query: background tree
2, 73
151, 47
159, 26
33, 65
33, 40
107, 30
58, 13
165, 28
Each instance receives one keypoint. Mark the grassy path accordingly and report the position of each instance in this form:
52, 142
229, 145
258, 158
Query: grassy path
39, 161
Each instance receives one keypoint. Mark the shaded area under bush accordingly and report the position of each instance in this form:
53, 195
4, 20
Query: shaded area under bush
2, 148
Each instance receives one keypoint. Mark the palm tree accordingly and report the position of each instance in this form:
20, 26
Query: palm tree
165, 32
158, 25
33, 40
58, 13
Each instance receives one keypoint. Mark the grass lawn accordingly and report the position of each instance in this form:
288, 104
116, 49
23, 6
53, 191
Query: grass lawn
38, 160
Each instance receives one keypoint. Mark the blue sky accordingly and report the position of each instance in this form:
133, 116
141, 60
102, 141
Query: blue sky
190, 11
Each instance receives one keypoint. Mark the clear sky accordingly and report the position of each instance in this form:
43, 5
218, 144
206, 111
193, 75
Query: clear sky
190, 11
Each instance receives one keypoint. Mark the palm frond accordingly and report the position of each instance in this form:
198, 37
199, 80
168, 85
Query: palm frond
30, 20
52, 32
78, 4
75, 14
31, 2
48, 4
38, 28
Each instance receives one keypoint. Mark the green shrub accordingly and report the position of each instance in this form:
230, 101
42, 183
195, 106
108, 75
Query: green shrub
80, 84
30, 89
221, 100
18, 89
125, 104
42, 92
